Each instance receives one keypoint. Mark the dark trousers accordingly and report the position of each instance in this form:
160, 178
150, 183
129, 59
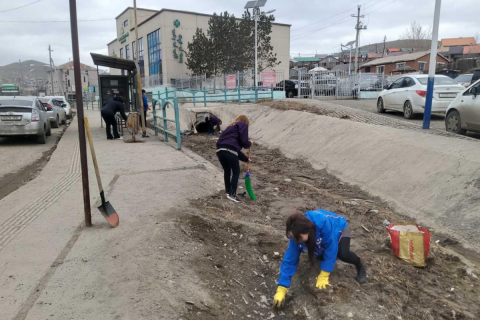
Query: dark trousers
140, 120
110, 123
231, 171
344, 253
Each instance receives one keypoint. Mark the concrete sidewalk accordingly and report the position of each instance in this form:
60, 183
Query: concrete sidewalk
51, 267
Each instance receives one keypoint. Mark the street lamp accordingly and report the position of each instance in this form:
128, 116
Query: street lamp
351, 43
256, 5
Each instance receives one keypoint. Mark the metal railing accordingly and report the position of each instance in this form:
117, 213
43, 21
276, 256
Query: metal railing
219, 95
164, 105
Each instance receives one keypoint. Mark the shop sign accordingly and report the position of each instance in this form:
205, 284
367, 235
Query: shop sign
123, 38
231, 81
177, 43
269, 79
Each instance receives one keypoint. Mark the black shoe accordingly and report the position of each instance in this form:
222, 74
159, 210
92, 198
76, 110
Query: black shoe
145, 136
361, 273
233, 198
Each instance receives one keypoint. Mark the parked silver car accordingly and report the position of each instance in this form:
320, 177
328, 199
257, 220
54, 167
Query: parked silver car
64, 104
55, 112
24, 116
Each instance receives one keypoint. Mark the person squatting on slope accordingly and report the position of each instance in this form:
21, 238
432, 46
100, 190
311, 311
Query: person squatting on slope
211, 122
229, 146
324, 235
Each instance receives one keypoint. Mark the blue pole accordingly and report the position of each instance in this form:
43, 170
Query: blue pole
272, 91
204, 96
177, 125
155, 117
432, 67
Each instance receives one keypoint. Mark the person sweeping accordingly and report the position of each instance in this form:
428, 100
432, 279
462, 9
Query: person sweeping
108, 112
211, 122
229, 146
321, 234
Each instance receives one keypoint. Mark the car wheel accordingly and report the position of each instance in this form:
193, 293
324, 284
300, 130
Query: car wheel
408, 110
453, 123
380, 107
290, 94
49, 130
56, 124
42, 139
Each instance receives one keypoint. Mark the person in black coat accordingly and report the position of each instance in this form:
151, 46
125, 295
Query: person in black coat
108, 114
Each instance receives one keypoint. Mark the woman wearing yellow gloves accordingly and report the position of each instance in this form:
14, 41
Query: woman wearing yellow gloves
322, 234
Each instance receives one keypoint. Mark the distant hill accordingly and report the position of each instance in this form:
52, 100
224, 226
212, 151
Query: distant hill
29, 70
416, 45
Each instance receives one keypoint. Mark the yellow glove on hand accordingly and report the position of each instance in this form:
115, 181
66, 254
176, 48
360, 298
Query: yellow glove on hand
279, 297
322, 280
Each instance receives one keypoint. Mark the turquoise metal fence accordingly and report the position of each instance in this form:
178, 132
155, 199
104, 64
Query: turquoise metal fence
203, 96
164, 103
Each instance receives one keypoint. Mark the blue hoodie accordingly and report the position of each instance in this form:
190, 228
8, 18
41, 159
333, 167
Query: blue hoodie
328, 228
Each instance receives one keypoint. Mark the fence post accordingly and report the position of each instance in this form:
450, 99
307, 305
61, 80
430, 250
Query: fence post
256, 94
204, 96
165, 123
166, 93
314, 83
225, 95
177, 125
272, 91
359, 84
155, 116
239, 96
194, 94
300, 84
336, 87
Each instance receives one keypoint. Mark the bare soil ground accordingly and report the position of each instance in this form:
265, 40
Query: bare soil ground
241, 247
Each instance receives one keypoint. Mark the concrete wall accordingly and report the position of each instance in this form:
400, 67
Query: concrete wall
434, 179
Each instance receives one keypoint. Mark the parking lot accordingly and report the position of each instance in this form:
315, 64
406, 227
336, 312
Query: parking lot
22, 158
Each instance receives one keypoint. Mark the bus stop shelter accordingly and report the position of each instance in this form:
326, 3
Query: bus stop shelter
118, 85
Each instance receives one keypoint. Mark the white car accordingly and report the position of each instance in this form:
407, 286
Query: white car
463, 114
407, 94
63, 101
465, 79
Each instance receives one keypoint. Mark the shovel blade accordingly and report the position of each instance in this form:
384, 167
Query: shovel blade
109, 213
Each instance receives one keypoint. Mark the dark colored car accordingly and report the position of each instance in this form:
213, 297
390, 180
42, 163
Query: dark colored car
476, 76
289, 86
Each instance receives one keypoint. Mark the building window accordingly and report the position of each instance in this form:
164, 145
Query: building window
125, 23
367, 69
84, 80
140, 57
133, 50
127, 52
69, 83
401, 65
121, 53
154, 53
381, 69
421, 66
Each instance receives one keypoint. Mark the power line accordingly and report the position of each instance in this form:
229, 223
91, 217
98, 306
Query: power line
26, 5
335, 15
312, 32
382, 7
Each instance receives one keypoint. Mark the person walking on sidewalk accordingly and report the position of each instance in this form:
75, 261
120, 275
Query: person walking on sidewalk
145, 109
113, 106
324, 235
229, 146
211, 122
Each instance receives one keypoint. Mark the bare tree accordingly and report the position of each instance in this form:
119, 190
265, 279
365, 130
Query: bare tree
416, 33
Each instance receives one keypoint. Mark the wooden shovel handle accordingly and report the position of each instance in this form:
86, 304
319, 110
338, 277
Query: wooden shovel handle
249, 153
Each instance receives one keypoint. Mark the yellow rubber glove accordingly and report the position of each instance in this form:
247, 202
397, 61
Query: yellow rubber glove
322, 280
279, 297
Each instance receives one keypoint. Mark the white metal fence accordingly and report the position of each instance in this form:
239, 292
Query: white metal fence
339, 84
152, 81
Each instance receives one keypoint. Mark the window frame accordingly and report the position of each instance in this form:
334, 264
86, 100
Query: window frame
401, 64
125, 23
422, 63
382, 68
154, 42
127, 52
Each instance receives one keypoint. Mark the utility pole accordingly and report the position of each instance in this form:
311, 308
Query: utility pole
51, 67
384, 46
358, 27
432, 66
81, 121
139, 76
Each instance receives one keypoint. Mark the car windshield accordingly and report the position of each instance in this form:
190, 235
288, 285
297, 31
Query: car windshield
464, 78
438, 81
16, 103
43, 100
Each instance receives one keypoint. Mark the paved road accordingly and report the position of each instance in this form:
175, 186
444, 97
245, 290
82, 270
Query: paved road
19, 152
437, 122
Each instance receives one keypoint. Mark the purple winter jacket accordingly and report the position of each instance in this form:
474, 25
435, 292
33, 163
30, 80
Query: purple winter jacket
235, 138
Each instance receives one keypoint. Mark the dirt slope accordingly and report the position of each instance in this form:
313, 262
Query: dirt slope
238, 264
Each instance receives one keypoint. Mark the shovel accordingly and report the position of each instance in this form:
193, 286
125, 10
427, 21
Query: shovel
106, 209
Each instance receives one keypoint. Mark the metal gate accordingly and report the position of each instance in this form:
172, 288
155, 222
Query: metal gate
327, 84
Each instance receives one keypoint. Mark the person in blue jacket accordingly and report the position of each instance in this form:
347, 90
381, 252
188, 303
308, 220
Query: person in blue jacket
145, 109
229, 146
321, 234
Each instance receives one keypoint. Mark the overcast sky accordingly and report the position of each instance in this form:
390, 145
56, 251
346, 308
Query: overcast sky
27, 40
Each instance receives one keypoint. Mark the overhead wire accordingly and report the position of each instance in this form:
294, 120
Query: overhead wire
26, 5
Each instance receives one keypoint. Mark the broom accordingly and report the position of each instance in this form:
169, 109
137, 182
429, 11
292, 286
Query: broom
248, 183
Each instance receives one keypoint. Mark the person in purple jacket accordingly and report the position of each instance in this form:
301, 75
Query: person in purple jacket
211, 122
229, 146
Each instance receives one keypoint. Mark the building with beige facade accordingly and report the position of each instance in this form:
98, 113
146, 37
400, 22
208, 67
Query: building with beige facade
64, 80
163, 38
